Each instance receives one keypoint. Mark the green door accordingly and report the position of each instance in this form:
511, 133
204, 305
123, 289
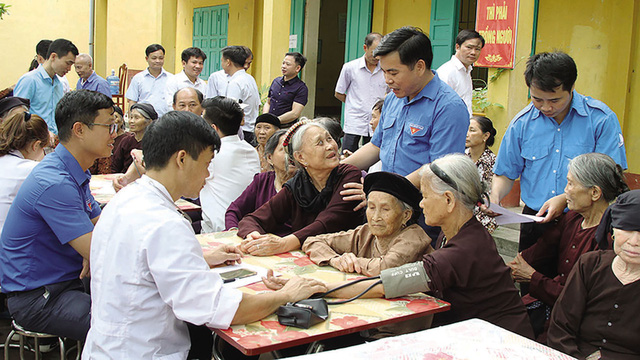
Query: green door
443, 30
210, 26
296, 28
358, 26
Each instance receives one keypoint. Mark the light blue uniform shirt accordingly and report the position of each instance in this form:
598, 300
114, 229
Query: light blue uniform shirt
145, 88
43, 92
538, 150
53, 206
413, 133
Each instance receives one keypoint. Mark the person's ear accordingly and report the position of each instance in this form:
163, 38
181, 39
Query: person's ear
450, 199
596, 193
485, 136
269, 158
298, 68
406, 215
299, 157
77, 129
457, 47
420, 67
36, 145
181, 156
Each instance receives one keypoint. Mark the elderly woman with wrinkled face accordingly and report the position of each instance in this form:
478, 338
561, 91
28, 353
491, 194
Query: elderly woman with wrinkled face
310, 201
390, 237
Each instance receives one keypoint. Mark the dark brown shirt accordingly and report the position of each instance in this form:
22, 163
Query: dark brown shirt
283, 208
558, 250
596, 312
121, 158
468, 273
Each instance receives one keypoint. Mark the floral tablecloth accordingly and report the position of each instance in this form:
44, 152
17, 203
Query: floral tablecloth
102, 190
361, 314
473, 339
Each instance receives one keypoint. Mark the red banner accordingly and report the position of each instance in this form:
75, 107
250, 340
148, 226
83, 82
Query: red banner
496, 21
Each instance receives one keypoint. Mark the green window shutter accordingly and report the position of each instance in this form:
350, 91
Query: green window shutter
358, 26
210, 26
297, 23
443, 30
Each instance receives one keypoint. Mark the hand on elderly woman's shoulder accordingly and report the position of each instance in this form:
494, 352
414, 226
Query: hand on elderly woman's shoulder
354, 191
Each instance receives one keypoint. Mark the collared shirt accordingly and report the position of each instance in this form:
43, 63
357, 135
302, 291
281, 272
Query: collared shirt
217, 84
148, 277
283, 94
43, 92
53, 206
363, 89
146, 88
242, 86
538, 150
65, 83
96, 83
458, 76
413, 133
15, 169
230, 172
180, 81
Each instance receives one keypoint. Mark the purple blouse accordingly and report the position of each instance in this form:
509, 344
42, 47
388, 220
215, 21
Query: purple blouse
255, 195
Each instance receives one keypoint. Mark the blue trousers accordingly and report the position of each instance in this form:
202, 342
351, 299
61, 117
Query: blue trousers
62, 309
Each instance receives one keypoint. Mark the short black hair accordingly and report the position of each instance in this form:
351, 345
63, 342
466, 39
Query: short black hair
298, 58
371, 37
118, 109
466, 34
237, 54
546, 71
79, 106
175, 131
43, 48
223, 112
486, 125
198, 94
188, 53
411, 43
153, 48
62, 47
248, 51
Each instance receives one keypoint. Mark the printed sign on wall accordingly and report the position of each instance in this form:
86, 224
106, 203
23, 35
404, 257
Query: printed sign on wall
496, 21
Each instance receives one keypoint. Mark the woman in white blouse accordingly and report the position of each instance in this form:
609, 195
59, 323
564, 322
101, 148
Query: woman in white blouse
23, 138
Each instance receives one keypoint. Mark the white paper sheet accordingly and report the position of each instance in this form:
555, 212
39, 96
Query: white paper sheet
509, 217
260, 272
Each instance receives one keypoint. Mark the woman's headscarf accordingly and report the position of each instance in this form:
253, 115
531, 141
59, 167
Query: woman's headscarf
624, 214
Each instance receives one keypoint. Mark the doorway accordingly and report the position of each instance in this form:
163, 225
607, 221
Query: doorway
332, 34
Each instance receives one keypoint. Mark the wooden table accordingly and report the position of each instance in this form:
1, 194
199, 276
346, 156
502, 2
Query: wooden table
102, 190
362, 314
470, 339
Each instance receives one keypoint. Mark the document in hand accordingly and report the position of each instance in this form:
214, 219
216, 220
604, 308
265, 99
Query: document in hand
510, 217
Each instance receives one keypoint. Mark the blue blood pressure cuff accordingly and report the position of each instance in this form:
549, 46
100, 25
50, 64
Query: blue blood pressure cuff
404, 280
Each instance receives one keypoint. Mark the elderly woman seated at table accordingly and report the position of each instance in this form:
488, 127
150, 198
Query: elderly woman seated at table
266, 125
310, 201
390, 237
594, 180
264, 186
465, 269
595, 315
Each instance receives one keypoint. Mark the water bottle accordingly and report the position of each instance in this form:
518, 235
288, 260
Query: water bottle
114, 83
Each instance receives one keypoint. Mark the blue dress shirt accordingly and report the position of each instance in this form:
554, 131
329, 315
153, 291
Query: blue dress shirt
538, 150
413, 133
96, 83
43, 92
145, 88
53, 206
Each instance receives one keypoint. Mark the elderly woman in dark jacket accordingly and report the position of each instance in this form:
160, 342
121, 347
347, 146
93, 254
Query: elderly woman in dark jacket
310, 202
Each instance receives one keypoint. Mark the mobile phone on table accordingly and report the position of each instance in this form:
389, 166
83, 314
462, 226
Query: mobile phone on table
233, 275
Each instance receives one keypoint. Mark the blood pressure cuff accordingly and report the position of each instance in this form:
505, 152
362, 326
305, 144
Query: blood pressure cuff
404, 280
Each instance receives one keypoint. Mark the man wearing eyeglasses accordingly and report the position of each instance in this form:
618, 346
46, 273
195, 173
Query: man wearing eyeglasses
47, 235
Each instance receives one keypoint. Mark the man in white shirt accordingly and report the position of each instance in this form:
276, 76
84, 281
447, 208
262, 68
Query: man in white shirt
192, 64
242, 87
149, 85
457, 71
217, 84
149, 274
232, 170
360, 85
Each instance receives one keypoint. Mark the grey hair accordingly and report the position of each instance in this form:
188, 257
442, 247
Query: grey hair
463, 172
595, 169
296, 141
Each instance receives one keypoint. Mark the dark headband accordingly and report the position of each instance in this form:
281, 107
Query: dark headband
622, 214
443, 176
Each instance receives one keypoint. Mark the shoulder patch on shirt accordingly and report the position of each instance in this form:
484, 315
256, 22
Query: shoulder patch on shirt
415, 128
620, 140
89, 204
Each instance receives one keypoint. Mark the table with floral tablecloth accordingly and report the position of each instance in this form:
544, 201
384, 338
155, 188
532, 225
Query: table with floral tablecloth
268, 335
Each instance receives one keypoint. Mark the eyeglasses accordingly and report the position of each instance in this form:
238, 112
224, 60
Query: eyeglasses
112, 127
